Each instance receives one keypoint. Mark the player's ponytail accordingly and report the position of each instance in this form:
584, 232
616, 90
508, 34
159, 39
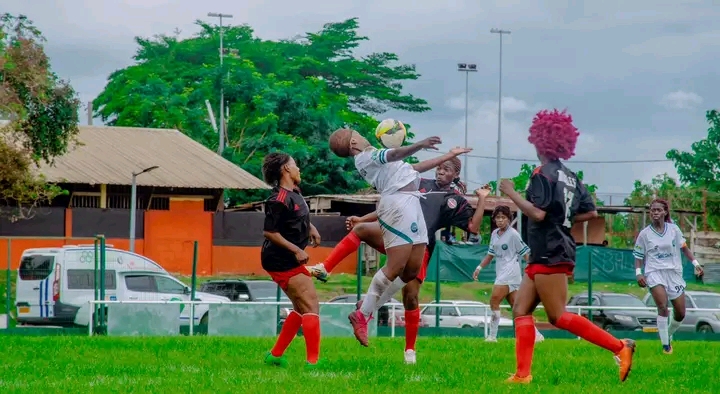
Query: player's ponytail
459, 186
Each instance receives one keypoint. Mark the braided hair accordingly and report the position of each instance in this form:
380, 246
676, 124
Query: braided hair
457, 166
665, 205
272, 167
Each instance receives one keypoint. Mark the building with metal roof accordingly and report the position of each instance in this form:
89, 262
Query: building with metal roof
109, 155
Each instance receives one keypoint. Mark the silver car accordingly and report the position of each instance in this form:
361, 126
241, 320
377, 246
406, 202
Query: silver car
697, 321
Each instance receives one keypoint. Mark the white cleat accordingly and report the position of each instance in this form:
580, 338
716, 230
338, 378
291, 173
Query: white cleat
318, 271
410, 356
490, 339
539, 337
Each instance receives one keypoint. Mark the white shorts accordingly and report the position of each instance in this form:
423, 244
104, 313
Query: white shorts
401, 219
511, 286
671, 280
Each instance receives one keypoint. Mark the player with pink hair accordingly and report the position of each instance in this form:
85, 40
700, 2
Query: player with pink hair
555, 199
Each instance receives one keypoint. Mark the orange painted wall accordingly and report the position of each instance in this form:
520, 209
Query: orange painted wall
169, 237
245, 260
168, 240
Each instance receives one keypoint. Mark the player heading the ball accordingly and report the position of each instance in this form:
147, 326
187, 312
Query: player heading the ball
399, 214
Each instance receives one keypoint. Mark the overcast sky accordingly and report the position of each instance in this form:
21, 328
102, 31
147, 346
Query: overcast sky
637, 76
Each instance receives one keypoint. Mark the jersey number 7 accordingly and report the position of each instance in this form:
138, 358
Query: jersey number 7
570, 184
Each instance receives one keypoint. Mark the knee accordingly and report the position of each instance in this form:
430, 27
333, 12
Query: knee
409, 274
495, 303
553, 319
678, 315
662, 310
410, 297
360, 230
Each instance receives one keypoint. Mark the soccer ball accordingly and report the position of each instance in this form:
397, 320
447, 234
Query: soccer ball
391, 133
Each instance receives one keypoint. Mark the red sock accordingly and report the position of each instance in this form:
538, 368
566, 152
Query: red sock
287, 333
347, 245
524, 344
412, 325
588, 331
311, 332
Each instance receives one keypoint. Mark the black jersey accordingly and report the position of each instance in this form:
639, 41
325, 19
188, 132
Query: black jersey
286, 213
443, 209
557, 191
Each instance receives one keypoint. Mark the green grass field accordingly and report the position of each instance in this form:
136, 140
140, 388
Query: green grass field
234, 365
468, 291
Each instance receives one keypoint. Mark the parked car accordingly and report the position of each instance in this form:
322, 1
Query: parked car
248, 290
383, 318
54, 285
616, 319
463, 314
696, 321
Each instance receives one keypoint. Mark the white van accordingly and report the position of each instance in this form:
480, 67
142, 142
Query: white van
54, 285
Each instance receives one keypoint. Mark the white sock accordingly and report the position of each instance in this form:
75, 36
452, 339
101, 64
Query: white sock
494, 324
662, 325
674, 326
379, 284
394, 287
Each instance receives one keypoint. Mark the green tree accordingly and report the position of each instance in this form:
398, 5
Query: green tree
701, 167
40, 114
284, 95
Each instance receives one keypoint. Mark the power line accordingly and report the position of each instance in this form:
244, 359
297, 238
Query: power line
569, 161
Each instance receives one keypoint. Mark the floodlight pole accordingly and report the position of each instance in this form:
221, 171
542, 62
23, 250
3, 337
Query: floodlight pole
499, 32
467, 69
221, 144
133, 204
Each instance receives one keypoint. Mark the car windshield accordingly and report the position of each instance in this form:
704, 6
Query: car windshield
265, 291
707, 301
472, 311
622, 300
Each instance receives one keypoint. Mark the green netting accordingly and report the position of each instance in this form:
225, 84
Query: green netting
143, 319
334, 321
245, 320
457, 263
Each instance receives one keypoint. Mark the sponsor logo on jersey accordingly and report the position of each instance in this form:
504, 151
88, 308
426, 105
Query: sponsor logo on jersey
451, 203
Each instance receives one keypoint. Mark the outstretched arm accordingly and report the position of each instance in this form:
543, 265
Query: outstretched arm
428, 165
397, 154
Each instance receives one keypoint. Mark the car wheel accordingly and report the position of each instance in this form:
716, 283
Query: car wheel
607, 327
705, 328
466, 326
204, 319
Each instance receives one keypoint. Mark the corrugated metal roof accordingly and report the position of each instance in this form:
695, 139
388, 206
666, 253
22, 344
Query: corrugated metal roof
111, 154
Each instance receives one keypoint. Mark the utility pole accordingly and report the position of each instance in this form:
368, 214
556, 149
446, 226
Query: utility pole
467, 69
221, 145
500, 32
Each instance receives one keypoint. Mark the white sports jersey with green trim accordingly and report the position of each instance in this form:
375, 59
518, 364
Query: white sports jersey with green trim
507, 249
660, 251
386, 177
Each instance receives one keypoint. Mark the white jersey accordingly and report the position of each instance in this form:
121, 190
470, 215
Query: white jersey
507, 249
386, 177
660, 251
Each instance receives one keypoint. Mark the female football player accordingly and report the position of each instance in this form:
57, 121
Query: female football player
658, 247
288, 232
554, 199
507, 248
442, 207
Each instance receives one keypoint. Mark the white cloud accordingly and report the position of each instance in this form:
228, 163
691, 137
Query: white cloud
681, 100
